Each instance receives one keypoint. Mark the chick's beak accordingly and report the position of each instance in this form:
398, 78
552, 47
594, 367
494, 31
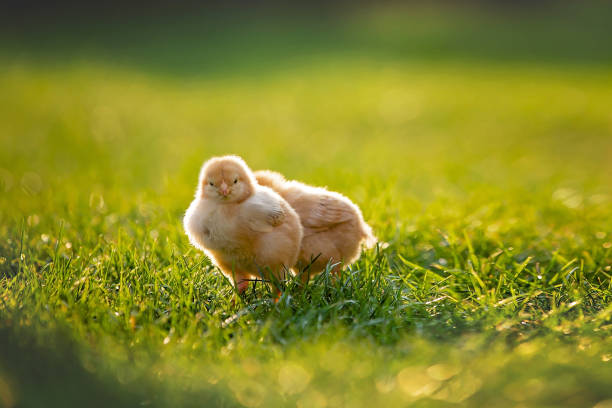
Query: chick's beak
224, 189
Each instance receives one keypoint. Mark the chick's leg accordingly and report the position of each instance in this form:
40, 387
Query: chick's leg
242, 285
277, 293
238, 277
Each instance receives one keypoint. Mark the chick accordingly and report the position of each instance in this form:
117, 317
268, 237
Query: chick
246, 229
334, 228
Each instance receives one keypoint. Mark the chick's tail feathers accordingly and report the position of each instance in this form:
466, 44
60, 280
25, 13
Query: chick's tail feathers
369, 239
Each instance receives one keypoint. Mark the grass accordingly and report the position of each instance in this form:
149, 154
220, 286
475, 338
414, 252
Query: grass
486, 179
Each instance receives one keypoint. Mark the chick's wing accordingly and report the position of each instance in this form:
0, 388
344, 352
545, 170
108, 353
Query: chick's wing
264, 211
327, 211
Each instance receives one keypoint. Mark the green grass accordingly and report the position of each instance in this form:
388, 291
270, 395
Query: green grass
486, 179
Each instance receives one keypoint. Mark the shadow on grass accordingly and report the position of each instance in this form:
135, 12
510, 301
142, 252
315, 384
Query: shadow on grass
36, 375
51, 375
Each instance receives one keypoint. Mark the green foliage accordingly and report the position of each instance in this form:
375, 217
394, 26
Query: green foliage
487, 183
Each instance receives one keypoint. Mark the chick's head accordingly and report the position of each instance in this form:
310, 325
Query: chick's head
226, 179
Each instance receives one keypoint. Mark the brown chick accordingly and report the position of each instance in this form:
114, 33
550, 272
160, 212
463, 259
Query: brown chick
334, 228
246, 229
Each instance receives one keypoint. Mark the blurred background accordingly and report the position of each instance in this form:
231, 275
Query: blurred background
411, 83
489, 116
130, 75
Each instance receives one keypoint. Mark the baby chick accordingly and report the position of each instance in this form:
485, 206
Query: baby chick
334, 228
244, 228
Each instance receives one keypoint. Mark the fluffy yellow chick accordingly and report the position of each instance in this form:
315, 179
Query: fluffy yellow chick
334, 229
244, 228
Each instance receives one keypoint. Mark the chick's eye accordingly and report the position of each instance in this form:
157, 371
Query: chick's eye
235, 180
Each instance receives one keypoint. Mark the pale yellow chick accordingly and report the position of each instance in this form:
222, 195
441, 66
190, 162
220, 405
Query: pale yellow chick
246, 229
334, 229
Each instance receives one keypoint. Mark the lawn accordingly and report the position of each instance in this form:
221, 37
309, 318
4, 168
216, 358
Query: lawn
477, 143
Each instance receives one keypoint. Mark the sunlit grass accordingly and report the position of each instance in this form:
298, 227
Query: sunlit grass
488, 185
